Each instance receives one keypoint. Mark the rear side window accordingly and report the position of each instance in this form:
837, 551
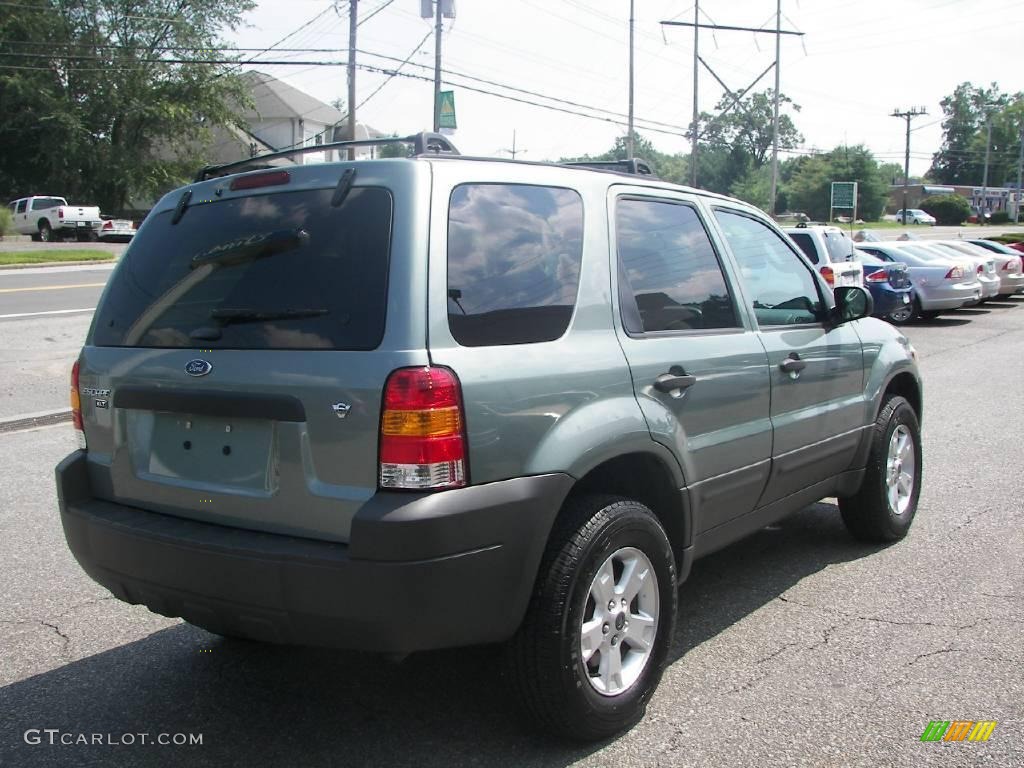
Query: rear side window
46, 202
277, 271
514, 254
806, 244
21, 205
670, 278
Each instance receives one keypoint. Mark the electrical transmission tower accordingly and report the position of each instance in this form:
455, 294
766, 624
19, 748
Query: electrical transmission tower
907, 115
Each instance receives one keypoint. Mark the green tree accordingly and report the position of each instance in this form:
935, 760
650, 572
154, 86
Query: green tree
808, 182
947, 209
107, 99
747, 127
961, 158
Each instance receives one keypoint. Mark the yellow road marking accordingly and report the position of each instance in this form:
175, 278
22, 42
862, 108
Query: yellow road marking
52, 287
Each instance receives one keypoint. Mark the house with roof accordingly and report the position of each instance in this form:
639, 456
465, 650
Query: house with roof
282, 117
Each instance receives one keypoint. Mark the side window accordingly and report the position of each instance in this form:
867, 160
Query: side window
782, 288
669, 275
514, 254
21, 205
806, 244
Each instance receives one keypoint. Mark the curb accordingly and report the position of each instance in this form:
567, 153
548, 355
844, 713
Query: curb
32, 420
58, 263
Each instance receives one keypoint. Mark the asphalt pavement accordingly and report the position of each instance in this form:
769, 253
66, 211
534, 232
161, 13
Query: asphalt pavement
795, 647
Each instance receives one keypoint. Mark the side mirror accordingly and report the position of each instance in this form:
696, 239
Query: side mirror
852, 303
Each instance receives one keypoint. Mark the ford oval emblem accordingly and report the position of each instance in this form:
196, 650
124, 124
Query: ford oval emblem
197, 367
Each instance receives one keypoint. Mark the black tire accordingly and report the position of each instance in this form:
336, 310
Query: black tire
545, 660
45, 232
929, 315
868, 514
896, 318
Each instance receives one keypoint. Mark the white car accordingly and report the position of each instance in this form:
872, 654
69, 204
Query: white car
916, 216
830, 251
117, 229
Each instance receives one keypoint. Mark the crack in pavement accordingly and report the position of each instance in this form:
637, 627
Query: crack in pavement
772, 655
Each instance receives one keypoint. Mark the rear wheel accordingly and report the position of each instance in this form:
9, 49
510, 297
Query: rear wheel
885, 505
901, 316
45, 232
592, 647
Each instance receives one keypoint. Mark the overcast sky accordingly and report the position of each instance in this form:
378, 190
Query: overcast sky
857, 62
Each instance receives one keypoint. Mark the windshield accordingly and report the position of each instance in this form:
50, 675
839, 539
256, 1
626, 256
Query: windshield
839, 246
277, 271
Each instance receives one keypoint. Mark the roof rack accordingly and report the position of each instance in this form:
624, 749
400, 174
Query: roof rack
634, 166
422, 143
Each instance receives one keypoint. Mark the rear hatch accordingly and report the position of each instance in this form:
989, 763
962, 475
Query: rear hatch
845, 266
234, 369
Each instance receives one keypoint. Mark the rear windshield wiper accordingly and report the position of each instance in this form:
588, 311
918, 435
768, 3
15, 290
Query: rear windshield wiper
256, 246
225, 317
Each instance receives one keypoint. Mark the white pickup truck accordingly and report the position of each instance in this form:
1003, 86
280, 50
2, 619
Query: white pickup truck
52, 219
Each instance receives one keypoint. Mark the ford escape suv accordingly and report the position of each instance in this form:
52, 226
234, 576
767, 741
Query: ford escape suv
436, 401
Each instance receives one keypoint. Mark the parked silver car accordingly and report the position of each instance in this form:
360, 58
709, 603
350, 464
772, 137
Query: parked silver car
983, 262
1007, 264
940, 283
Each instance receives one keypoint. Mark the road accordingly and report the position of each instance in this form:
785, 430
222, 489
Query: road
796, 647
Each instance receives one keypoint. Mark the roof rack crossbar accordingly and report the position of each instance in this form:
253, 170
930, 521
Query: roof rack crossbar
634, 165
423, 143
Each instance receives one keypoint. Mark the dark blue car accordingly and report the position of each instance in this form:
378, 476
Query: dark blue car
890, 287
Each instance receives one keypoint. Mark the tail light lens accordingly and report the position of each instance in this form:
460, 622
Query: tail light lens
108, 225
76, 407
981, 269
956, 273
422, 435
1012, 265
829, 275
878, 276
60, 213
257, 180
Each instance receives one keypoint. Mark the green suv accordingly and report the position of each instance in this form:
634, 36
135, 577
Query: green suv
417, 403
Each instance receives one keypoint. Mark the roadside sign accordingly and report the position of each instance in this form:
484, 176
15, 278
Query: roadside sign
448, 110
844, 194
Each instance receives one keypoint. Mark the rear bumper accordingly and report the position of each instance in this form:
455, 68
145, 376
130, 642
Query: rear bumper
888, 300
950, 296
1010, 284
421, 571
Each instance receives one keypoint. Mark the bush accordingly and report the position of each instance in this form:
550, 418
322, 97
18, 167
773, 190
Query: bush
999, 217
6, 222
947, 209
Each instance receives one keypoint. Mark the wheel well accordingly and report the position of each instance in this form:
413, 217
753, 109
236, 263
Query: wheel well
644, 478
905, 385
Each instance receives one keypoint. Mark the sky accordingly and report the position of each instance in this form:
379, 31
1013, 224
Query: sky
856, 63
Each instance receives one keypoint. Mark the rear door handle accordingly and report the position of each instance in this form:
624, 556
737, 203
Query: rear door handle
793, 364
672, 382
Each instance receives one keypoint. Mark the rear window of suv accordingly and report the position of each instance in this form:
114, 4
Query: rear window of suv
514, 255
276, 271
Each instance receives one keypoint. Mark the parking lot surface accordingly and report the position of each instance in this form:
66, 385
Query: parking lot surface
795, 647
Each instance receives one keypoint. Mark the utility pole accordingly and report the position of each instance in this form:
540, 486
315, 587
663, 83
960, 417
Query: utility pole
513, 152
353, 19
1020, 166
437, 66
984, 178
775, 117
908, 115
695, 124
630, 142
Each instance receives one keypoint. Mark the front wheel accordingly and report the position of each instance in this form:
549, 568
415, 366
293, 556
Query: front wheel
885, 505
594, 642
903, 315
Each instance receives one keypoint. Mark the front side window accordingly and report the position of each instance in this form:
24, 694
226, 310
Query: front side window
669, 275
514, 254
781, 287
21, 205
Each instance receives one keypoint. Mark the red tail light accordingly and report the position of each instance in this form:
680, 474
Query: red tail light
1012, 265
878, 276
956, 273
108, 225
76, 407
981, 269
60, 213
422, 435
271, 179
829, 275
